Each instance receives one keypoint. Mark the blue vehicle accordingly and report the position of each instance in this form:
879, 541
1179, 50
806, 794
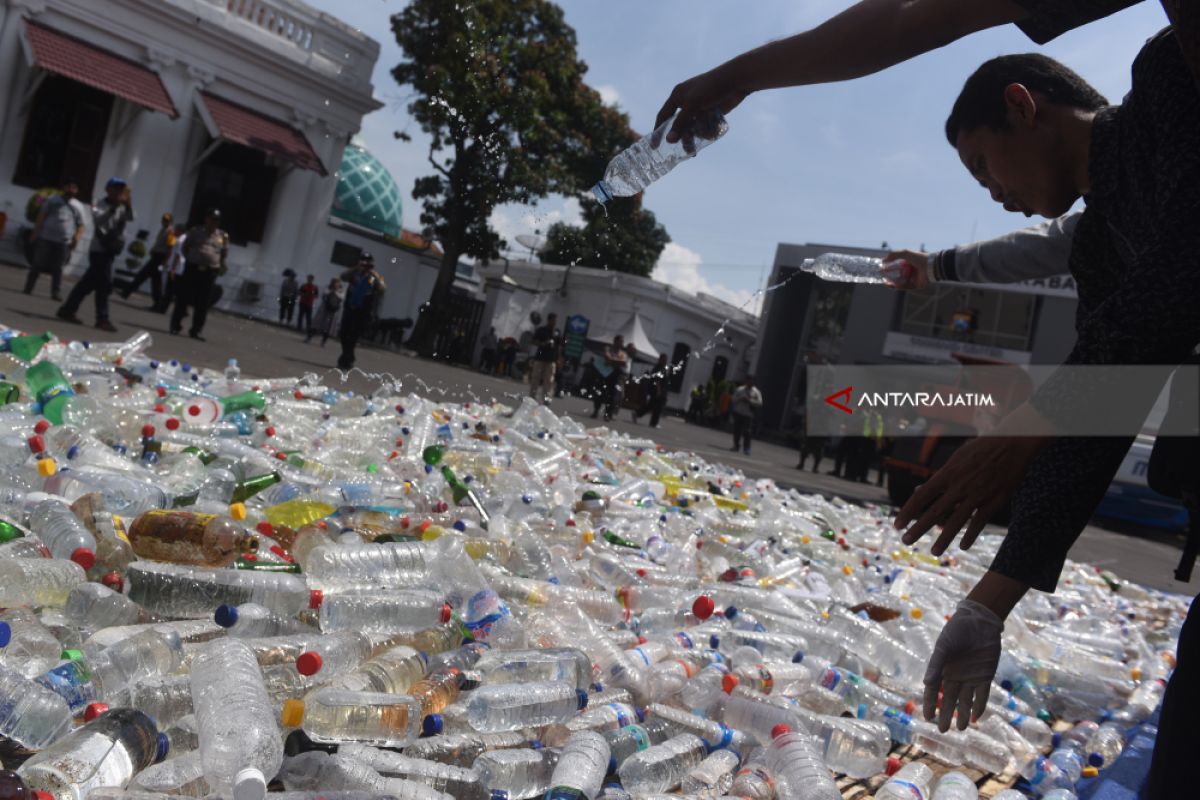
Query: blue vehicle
1130, 498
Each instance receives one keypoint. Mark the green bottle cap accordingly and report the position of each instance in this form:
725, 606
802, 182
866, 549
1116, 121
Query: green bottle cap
432, 455
9, 531
71, 654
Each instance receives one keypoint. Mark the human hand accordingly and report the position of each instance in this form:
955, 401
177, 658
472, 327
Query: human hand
126, 196
718, 89
963, 664
918, 277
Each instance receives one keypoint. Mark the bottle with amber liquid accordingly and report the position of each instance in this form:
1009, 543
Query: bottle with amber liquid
185, 537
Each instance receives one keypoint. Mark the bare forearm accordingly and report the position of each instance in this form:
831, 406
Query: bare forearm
866, 38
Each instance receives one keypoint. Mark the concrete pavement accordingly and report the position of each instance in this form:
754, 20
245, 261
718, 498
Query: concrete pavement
1141, 554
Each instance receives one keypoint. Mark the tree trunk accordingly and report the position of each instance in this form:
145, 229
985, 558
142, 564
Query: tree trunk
434, 312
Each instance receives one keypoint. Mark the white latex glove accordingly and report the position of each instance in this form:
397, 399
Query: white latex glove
963, 665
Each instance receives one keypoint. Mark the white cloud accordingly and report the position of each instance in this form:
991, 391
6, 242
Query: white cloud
609, 94
679, 267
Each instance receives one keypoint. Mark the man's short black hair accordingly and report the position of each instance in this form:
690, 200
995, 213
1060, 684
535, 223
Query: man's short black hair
981, 101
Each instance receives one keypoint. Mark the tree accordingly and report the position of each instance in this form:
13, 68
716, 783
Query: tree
625, 239
499, 88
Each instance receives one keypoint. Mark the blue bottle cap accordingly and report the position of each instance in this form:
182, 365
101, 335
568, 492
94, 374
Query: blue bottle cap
583, 698
641, 714
164, 747
72, 452
5, 634
186, 367
798, 656
459, 525
499, 794
1055, 740
612, 764
226, 615
1006, 685
424, 656
731, 612
599, 687
153, 364
1095, 760
554, 580
404, 431
428, 469
431, 725
714, 641
526, 499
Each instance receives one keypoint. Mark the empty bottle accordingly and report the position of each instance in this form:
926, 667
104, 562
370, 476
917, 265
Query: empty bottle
662, 767
713, 776
252, 620
458, 782
521, 773
30, 714
1105, 745
410, 608
652, 157
912, 782
845, 268
166, 699
581, 768
463, 748
108, 751
526, 666
716, 734
45, 582
624, 742
799, 771
101, 674
509, 706
26, 645
94, 605
754, 780
955, 786
176, 590
240, 743
58, 527
186, 537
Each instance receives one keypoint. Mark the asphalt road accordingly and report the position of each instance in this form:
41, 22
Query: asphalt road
1145, 555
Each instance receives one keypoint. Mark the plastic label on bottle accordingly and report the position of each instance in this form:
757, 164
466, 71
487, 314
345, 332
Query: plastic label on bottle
914, 788
484, 610
71, 682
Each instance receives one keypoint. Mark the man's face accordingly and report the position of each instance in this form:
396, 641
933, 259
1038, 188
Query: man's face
114, 192
1020, 166
71, 191
210, 222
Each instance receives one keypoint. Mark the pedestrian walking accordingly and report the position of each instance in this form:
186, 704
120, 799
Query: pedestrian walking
55, 235
308, 298
152, 270
616, 364
655, 388
487, 353
547, 343
109, 217
364, 293
331, 304
747, 399
288, 291
172, 270
204, 254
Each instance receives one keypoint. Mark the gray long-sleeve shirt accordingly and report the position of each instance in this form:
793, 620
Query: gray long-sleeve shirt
1038, 251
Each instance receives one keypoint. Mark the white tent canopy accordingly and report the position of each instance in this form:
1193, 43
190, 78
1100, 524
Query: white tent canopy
634, 334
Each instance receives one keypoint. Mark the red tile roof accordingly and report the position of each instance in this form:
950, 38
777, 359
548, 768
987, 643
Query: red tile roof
252, 129
78, 60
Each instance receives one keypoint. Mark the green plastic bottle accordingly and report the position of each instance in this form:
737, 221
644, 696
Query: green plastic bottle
27, 347
253, 485
9, 393
51, 388
9, 531
242, 402
460, 492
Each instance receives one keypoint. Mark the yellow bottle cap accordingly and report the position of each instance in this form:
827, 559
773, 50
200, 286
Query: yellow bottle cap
805, 540
1090, 772
237, 511
46, 467
587, 537
1136, 673
917, 613
846, 570
293, 714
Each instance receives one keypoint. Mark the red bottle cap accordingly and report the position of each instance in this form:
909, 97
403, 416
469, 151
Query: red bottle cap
780, 730
172, 424
309, 663
703, 607
42, 426
40, 795
159, 408
94, 710
641, 573
147, 431
729, 683
270, 431
36, 444
84, 557
315, 598
891, 766
193, 411
265, 528
299, 395
282, 456
446, 611
114, 581
910, 707
162, 391
642, 640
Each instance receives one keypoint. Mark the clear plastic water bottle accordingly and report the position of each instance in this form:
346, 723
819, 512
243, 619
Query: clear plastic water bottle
26, 645
716, 734
713, 776
42, 582
652, 157
409, 608
521, 773
624, 742
458, 782
955, 785
392, 671
58, 527
463, 748
181, 775
1105, 746
339, 715
240, 742
507, 707
662, 767
167, 699
108, 751
798, 769
176, 590
846, 268
94, 605
524, 666
30, 714
912, 782
251, 620
581, 768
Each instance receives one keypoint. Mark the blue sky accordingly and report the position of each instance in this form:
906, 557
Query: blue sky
856, 163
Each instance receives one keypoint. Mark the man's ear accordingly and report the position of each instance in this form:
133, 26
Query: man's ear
1020, 104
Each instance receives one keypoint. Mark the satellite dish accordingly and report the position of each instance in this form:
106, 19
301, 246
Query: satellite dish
532, 241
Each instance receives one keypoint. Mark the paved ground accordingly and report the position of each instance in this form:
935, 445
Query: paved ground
1140, 554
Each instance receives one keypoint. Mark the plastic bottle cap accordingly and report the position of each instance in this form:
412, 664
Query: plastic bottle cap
1006, 685
1044, 715
46, 467
163, 747
84, 557
237, 511
703, 607
917, 613
5, 633
114, 581
612, 764
714, 642
891, 766
780, 730
249, 785
797, 657
640, 713
172, 424
582, 696
910, 707
226, 615
36, 444
41, 426
94, 710
1090, 772
315, 598
309, 663
499, 794
729, 683
292, 715
40, 795
1136, 674
1095, 760
147, 431
447, 611
432, 725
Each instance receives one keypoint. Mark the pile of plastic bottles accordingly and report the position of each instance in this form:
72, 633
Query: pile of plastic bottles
217, 585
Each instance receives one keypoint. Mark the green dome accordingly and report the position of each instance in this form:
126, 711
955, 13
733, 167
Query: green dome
366, 193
